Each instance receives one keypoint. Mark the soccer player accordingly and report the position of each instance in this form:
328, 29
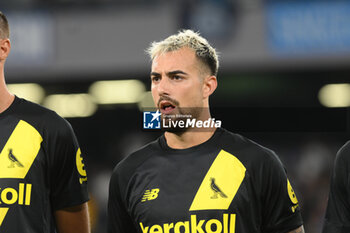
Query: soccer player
42, 174
338, 209
198, 181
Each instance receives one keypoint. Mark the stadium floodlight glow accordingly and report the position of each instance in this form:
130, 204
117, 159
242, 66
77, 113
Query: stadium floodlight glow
117, 92
335, 95
71, 105
146, 101
30, 91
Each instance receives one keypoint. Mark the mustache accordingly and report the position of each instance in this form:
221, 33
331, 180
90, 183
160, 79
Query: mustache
167, 98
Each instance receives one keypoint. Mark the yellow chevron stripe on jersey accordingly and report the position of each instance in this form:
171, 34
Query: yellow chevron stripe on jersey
19, 152
228, 173
3, 212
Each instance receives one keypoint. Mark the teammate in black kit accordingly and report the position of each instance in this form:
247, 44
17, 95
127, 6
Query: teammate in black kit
338, 210
42, 174
193, 181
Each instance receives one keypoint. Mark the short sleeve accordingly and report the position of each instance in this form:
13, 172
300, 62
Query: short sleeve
119, 220
280, 207
67, 170
337, 219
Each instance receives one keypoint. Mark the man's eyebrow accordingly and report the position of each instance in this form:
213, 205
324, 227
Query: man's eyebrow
176, 72
154, 74
170, 73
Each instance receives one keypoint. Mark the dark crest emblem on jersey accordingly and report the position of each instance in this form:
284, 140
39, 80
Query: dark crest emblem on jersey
216, 189
14, 160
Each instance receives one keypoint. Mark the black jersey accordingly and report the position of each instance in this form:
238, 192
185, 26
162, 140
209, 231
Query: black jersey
41, 168
338, 210
227, 184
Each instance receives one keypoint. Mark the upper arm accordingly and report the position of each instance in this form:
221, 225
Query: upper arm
73, 219
338, 209
119, 219
67, 173
280, 207
67, 177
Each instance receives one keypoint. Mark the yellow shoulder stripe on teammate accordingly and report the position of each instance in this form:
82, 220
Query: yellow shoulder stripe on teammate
20, 151
220, 184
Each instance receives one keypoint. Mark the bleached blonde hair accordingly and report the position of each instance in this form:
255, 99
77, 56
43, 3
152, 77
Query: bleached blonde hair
187, 38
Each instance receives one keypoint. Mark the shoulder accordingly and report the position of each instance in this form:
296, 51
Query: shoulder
247, 150
342, 158
344, 152
42, 119
125, 168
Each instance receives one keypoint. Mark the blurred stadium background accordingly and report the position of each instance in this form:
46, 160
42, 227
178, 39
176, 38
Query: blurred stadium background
284, 79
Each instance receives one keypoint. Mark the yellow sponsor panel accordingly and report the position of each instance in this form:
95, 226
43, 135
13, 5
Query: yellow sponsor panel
20, 151
3, 212
220, 184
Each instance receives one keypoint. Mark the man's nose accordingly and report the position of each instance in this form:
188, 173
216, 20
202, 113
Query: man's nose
163, 87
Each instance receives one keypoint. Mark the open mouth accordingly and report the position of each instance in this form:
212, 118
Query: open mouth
166, 107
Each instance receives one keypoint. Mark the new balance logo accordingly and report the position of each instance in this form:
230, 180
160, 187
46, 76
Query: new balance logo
216, 189
14, 160
150, 195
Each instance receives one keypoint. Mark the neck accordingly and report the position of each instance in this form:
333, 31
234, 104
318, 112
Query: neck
6, 98
189, 138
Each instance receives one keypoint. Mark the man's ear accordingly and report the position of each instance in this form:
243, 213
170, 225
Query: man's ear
209, 85
5, 47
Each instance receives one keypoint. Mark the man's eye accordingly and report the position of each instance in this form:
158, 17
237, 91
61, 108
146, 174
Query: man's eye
155, 78
176, 77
